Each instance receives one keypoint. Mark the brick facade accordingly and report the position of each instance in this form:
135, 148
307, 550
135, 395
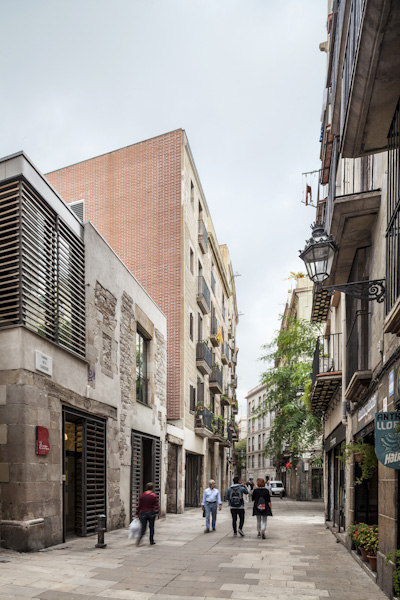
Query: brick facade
133, 197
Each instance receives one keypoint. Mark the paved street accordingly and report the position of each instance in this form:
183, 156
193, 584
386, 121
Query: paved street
299, 559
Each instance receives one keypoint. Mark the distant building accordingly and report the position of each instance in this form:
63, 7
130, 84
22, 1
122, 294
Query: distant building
148, 203
258, 428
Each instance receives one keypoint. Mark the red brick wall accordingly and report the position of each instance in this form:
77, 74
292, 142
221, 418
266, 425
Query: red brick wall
133, 197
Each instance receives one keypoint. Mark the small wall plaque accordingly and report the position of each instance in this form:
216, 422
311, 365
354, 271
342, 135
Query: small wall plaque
44, 363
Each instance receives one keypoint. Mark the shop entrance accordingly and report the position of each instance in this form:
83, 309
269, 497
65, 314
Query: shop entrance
192, 479
366, 494
146, 466
84, 469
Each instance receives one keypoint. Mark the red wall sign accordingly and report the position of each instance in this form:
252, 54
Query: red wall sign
42, 440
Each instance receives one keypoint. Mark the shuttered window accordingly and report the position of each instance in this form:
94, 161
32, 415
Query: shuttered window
41, 269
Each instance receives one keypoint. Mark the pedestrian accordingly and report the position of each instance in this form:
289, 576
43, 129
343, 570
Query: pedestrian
211, 499
147, 510
261, 506
267, 483
251, 486
235, 495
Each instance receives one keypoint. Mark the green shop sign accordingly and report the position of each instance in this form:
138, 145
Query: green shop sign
387, 438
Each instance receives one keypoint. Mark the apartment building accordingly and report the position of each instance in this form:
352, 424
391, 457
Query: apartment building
82, 372
357, 361
258, 428
148, 203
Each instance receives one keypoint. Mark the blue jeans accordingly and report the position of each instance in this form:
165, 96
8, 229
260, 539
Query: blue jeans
211, 508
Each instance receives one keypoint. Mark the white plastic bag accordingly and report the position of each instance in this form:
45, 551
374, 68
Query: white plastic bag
135, 529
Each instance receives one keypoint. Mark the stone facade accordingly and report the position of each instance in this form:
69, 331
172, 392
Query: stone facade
92, 397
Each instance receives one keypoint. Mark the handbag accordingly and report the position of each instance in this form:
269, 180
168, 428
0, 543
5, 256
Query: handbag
135, 529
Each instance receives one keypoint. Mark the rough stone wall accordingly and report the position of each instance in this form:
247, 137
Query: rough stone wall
160, 368
105, 303
127, 374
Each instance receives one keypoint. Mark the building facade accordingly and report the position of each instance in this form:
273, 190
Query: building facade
357, 359
148, 203
82, 372
258, 428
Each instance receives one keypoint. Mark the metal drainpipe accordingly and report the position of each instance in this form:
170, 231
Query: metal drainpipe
344, 373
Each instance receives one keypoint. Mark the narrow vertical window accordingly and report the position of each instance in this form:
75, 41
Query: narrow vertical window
191, 261
191, 326
141, 368
192, 398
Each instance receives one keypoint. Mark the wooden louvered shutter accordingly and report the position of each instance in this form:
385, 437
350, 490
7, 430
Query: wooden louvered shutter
95, 471
157, 467
135, 472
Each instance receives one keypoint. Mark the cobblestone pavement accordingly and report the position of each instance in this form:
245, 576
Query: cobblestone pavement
298, 559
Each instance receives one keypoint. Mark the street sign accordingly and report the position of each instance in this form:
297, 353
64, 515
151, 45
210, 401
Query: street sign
387, 438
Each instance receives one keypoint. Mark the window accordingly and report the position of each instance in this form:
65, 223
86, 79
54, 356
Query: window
192, 194
212, 403
141, 368
252, 461
191, 326
191, 261
259, 442
192, 399
393, 214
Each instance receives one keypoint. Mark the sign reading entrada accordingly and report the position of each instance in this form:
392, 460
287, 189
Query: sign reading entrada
387, 438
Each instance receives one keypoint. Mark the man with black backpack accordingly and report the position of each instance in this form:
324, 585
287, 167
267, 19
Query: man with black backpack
234, 495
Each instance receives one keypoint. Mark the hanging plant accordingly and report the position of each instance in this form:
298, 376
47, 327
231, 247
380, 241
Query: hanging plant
365, 455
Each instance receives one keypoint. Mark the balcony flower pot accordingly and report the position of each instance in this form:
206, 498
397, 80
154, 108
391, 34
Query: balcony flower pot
364, 554
372, 562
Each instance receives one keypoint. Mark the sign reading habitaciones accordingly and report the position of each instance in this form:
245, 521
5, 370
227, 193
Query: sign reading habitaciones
387, 438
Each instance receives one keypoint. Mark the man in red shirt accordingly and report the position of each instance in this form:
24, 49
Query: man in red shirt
147, 510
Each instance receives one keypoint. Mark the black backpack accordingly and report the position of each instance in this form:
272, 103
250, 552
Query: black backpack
261, 504
236, 498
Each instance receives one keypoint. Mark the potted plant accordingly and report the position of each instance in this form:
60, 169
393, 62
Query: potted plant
359, 534
371, 545
395, 558
365, 455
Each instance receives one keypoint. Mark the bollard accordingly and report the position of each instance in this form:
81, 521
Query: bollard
101, 528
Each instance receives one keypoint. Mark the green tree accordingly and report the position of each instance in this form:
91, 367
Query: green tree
290, 356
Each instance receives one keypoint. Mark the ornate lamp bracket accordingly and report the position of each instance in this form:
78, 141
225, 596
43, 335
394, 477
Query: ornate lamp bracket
364, 290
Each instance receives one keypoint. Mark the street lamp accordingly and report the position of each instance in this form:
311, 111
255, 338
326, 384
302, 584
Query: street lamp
318, 257
318, 254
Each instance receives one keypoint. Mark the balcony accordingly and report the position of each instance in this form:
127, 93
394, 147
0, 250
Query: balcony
203, 358
327, 371
235, 406
203, 421
352, 220
367, 78
224, 353
220, 431
203, 236
203, 295
215, 381
214, 332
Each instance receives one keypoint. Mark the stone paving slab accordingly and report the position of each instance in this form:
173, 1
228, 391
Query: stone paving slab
298, 559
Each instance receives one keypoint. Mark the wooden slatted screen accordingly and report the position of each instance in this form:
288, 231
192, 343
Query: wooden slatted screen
95, 500
157, 466
42, 268
136, 472
10, 276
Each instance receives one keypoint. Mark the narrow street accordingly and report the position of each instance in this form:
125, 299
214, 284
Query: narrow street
300, 558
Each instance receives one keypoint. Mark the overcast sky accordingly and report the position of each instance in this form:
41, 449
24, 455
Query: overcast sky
244, 78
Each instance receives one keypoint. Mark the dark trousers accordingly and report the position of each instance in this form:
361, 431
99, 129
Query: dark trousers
237, 512
150, 518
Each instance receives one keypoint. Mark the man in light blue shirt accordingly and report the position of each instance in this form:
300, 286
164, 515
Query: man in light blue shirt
211, 499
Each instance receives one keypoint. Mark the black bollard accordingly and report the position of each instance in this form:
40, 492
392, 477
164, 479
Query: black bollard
101, 528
